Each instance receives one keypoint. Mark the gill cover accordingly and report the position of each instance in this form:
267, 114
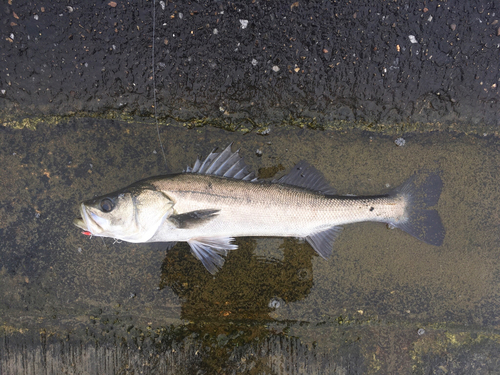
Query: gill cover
133, 214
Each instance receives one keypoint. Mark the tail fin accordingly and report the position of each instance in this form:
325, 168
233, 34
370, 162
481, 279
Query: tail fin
422, 192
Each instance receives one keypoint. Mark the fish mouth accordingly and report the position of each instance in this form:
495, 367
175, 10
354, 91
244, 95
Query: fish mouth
83, 221
80, 223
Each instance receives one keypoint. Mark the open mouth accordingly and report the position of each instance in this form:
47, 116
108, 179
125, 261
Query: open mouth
89, 221
81, 222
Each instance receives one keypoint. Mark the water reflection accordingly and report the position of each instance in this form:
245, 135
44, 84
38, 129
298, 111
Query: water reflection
228, 311
248, 287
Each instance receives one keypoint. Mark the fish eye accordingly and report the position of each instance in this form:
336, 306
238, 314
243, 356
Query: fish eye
107, 205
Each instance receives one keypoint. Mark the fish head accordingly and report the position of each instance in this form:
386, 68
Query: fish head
133, 214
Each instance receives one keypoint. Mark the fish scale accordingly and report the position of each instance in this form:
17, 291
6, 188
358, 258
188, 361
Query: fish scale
267, 209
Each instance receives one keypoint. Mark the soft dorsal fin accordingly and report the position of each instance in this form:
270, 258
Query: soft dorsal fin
306, 176
224, 164
322, 241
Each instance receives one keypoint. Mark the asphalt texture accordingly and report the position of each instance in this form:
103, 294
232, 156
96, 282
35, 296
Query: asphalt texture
416, 65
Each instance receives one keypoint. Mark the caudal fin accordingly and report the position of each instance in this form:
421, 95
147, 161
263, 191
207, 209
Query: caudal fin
422, 192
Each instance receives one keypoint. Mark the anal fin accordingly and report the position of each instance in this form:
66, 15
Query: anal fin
322, 241
210, 251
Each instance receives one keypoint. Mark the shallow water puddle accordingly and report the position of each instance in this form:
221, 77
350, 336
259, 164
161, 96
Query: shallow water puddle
275, 305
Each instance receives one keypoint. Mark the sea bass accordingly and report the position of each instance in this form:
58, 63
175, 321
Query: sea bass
219, 199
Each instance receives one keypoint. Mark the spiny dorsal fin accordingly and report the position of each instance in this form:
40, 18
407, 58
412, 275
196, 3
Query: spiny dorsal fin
306, 176
210, 251
322, 241
224, 164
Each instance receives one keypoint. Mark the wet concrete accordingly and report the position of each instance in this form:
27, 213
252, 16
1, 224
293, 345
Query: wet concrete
383, 65
385, 303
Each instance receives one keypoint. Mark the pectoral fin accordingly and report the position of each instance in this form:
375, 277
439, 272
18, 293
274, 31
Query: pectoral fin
193, 218
210, 251
322, 241
169, 245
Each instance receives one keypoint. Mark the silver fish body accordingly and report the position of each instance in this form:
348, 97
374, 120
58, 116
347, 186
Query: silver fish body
219, 199
265, 209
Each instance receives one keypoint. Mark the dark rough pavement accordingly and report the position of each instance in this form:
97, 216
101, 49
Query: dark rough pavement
427, 64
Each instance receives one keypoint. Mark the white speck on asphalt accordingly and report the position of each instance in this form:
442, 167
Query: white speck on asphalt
412, 39
244, 24
276, 68
400, 142
275, 303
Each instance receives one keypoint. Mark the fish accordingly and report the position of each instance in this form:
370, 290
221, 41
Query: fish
218, 199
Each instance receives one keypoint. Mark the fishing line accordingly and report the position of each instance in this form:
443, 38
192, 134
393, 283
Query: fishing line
104, 243
154, 84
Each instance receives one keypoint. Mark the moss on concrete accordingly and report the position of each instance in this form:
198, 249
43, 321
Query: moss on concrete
246, 125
